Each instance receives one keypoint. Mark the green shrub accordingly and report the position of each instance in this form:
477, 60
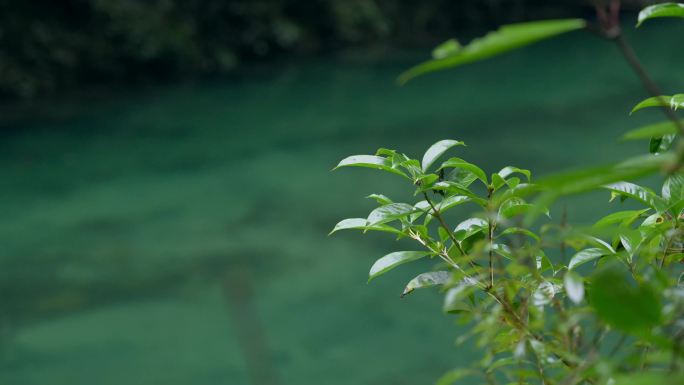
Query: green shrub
613, 311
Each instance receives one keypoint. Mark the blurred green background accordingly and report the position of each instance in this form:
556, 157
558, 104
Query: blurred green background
166, 195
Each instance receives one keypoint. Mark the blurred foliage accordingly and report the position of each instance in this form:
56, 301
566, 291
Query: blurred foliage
52, 45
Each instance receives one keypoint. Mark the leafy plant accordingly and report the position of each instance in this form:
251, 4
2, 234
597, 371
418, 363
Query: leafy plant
610, 313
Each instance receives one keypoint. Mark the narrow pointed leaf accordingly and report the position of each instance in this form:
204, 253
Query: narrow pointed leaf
506, 38
660, 10
370, 161
651, 130
621, 217
674, 102
360, 224
392, 260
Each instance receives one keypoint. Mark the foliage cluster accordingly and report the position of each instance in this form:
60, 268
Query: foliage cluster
547, 303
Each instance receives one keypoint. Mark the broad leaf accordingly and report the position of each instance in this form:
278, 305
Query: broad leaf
460, 163
392, 260
626, 217
519, 230
469, 227
389, 212
370, 161
424, 280
584, 256
510, 170
507, 38
639, 193
360, 223
660, 10
574, 286
674, 102
651, 130
436, 150
383, 200
673, 189
627, 307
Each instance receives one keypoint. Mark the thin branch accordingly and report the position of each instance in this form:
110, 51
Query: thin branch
436, 214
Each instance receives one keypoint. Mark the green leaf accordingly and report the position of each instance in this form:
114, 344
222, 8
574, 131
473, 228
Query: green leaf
448, 48
392, 260
454, 300
507, 38
457, 188
572, 182
360, 223
660, 10
450, 377
673, 190
674, 102
389, 212
452, 201
510, 170
624, 306
622, 217
424, 280
436, 150
469, 227
516, 206
584, 256
370, 161
651, 130
574, 286
460, 163
519, 230
383, 200
639, 193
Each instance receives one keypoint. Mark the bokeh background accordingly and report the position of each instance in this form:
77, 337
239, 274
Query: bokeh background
166, 192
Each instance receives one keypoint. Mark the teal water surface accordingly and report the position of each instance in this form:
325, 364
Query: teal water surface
179, 235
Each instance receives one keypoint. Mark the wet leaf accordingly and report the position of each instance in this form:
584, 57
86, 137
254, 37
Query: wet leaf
392, 260
424, 280
389, 212
460, 163
436, 150
360, 223
370, 161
